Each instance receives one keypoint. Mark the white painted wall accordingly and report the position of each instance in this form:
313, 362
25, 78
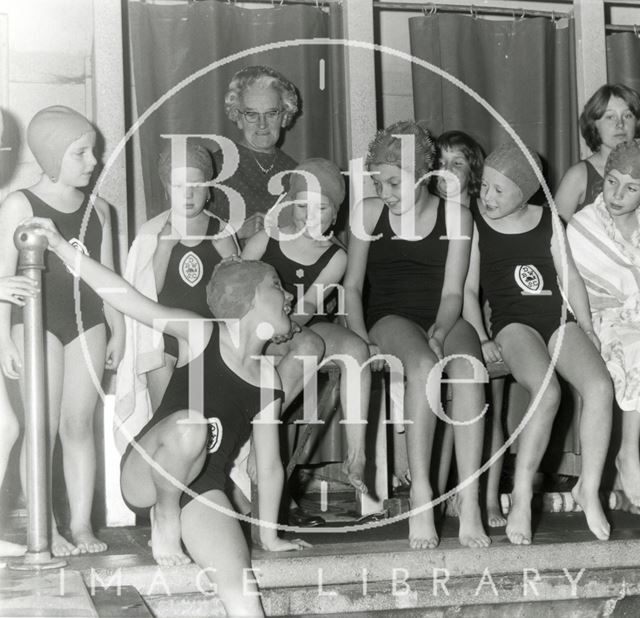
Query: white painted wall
49, 51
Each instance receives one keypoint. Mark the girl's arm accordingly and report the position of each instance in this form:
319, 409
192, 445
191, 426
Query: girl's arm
162, 254
471, 309
576, 290
114, 289
331, 275
571, 190
455, 273
12, 212
270, 480
115, 320
255, 247
367, 211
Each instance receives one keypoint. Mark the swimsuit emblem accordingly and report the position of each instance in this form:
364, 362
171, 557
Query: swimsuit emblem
215, 435
190, 268
78, 246
300, 273
529, 278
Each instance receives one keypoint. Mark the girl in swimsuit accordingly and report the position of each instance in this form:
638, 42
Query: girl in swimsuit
62, 142
219, 387
310, 269
413, 313
516, 259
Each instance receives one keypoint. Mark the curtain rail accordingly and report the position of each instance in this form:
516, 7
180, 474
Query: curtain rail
625, 2
275, 3
623, 28
471, 9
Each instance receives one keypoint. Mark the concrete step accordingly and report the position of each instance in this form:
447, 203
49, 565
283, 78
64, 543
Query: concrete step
595, 592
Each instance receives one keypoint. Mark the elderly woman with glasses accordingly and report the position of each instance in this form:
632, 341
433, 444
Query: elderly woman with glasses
260, 102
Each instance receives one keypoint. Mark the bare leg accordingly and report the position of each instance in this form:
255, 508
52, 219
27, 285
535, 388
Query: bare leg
158, 380
628, 458
216, 543
9, 431
178, 453
495, 518
592, 382
77, 409
526, 355
55, 373
468, 403
290, 368
446, 451
407, 341
355, 407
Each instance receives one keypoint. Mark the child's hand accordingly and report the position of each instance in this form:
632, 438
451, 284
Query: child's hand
15, 289
114, 352
10, 360
45, 227
491, 351
434, 343
374, 350
278, 544
251, 226
295, 328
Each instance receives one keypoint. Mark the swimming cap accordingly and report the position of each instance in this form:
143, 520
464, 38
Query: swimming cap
232, 287
197, 156
328, 175
511, 162
51, 131
625, 158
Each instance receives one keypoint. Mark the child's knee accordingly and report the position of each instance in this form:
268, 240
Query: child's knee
76, 429
186, 439
9, 430
308, 343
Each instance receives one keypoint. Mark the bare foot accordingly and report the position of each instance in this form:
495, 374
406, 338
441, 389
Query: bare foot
87, 543
519, 521
590, 503
11, 549
495, 518
629, 473
354, 469
422, 528
61, 547
471, 533
165, 538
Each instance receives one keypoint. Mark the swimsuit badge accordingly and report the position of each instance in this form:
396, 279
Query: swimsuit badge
300, 273
78, 246
529, 279
190, 268
215, 435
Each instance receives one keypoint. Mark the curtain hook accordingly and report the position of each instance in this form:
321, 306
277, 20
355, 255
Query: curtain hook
523, 14
430, 9
472, 12
553, 16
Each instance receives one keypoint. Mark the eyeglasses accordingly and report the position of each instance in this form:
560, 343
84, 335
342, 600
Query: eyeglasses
268, 116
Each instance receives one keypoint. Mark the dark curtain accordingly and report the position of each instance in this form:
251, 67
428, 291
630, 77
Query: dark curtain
524, 68
623, 59
170, 43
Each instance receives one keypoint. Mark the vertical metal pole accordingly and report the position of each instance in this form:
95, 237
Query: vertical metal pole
31, 264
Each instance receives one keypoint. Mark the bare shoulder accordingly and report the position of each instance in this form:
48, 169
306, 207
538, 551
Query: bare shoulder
15, 207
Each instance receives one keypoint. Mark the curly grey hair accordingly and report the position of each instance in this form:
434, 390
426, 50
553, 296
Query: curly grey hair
264, 77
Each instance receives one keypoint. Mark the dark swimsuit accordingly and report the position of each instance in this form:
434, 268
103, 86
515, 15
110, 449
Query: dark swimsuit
593, 187
405, 277
230, 404
59, 306
188, 272
293, 274
518, 277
